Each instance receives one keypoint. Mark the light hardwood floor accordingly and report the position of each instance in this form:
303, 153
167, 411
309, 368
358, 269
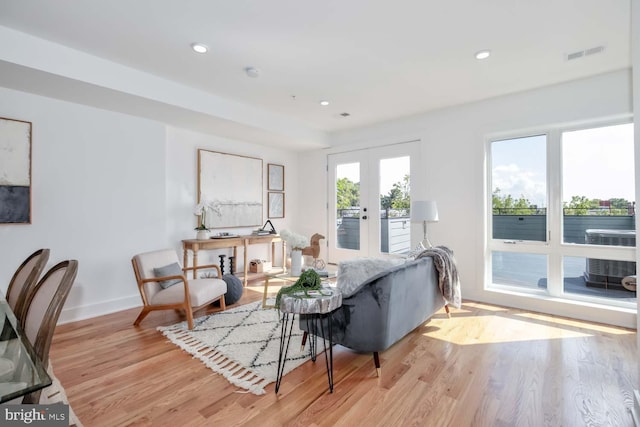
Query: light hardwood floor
485, 366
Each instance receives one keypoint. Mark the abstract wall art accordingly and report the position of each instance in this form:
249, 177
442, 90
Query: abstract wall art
15, 171
231, 185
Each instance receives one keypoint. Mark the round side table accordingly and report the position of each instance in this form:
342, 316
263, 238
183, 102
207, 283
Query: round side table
318, 304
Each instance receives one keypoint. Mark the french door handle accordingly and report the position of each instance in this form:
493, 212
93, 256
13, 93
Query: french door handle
364, 217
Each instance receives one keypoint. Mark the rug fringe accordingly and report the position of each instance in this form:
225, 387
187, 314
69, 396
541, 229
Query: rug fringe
217, 362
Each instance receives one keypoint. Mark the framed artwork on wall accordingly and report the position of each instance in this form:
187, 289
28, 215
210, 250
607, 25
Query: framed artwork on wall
15, 171
231, 185
276, 205
275, 177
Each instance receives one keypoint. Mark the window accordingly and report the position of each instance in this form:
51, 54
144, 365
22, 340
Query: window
598, 186
562, 213
519, 190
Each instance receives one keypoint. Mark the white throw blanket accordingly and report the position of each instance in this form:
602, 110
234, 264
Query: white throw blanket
353, 273
448, 279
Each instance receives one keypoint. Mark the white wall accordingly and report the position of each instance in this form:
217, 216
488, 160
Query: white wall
98, 197
453, 160
107, 186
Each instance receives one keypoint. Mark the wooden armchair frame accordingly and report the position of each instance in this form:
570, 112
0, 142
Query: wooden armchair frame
184, 305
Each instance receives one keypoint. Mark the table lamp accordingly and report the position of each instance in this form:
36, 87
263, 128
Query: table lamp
424, 211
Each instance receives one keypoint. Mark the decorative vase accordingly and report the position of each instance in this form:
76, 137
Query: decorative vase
202, 234
296, 262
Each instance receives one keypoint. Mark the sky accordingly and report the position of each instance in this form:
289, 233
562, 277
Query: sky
597, 163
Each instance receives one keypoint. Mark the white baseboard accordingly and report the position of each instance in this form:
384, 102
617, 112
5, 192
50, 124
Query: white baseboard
635, 411
93, 310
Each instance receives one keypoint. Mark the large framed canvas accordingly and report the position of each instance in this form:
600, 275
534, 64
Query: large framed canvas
232, 186
15, 171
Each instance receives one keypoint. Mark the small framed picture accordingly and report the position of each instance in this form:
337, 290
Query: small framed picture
276, 205
275, 177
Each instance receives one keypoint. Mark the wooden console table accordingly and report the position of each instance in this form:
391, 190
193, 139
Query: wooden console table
195, 245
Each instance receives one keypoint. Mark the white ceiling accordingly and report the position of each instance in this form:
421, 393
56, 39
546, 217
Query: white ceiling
375, 59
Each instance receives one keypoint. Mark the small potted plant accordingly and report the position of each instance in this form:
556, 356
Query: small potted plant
201, 211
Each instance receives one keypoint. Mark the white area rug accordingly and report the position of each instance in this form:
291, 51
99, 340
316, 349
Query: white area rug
242, 344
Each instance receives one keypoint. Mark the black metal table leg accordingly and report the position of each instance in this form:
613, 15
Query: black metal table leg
282, 357
328, 352
312, 326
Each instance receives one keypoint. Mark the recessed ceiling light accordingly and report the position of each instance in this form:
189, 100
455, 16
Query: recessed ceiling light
483, 54
324, 103
252, 72
199, 47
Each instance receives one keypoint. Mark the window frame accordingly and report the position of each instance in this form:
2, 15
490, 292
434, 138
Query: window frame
554, 247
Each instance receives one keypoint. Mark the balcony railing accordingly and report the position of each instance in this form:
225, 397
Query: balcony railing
534, 227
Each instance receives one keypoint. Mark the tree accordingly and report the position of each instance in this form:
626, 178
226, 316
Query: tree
619, 206
507, 205
399, 197
580, 205
347, 194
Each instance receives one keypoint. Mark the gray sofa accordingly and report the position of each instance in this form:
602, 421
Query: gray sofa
386, 307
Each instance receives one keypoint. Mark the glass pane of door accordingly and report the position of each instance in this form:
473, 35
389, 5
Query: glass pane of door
348, 205
519, 188
395, 202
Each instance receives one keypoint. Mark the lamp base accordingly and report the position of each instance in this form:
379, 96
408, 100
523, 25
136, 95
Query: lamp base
425, 238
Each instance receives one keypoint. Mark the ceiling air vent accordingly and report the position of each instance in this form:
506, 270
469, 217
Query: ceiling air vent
594, 50
575, 55
586, 52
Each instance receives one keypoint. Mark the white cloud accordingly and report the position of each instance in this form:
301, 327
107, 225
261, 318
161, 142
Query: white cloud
511, 180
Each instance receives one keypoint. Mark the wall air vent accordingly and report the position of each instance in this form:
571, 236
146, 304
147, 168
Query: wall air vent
582, 53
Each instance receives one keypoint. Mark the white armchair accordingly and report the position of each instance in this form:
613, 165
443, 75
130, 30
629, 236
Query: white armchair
163, 285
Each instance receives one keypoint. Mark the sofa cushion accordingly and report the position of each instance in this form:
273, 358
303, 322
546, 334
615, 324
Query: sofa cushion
352, 273
166, 271
201, 291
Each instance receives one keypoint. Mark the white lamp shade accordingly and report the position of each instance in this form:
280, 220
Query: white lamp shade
424, 210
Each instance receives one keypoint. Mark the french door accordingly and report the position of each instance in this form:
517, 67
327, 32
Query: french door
369, 200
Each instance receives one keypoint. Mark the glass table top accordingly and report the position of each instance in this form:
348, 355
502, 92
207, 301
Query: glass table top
21, 372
